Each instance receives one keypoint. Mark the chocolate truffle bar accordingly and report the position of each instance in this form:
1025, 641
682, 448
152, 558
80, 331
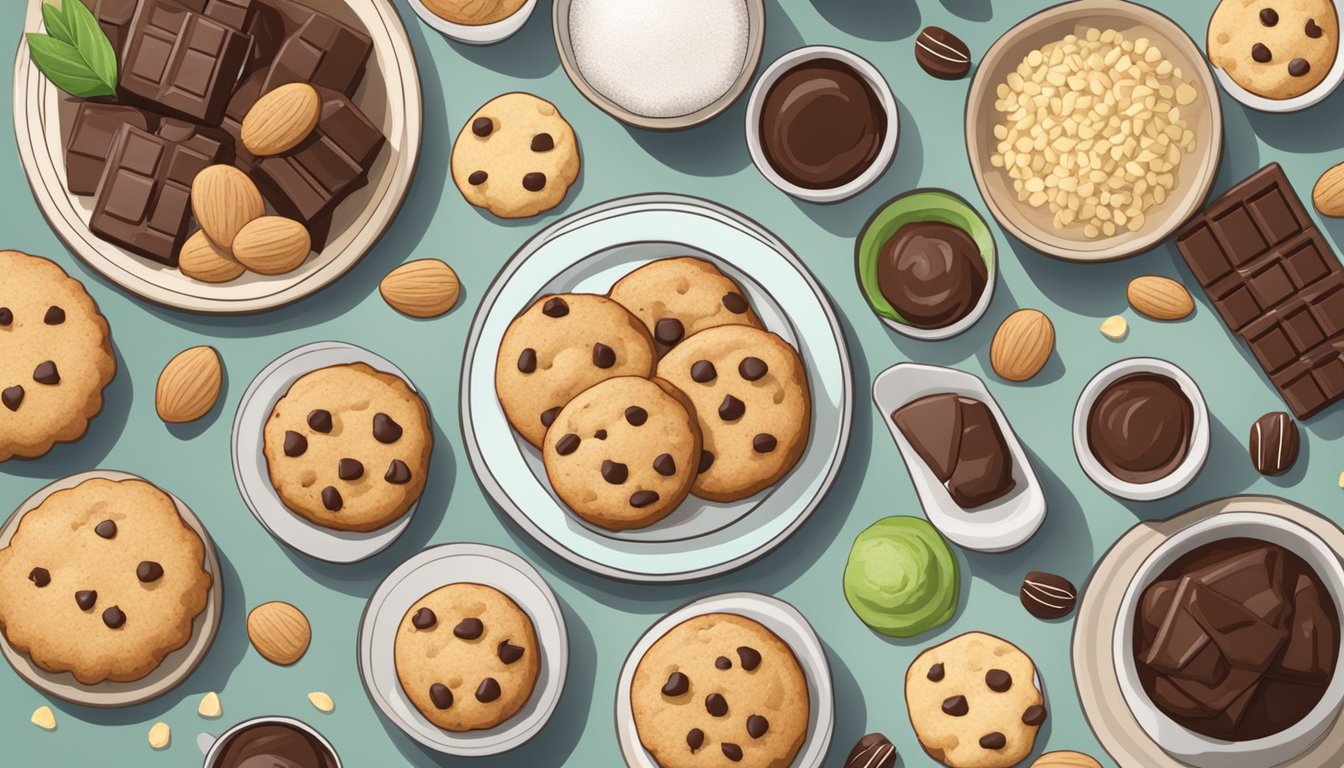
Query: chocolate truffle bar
1276, 283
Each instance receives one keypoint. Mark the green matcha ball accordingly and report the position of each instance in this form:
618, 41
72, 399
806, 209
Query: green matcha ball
901, 578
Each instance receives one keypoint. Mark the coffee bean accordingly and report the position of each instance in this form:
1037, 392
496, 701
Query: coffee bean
723, 663
55, 315
600, 434
508, 652
482, 126
641, 499
440, 696
349, 469
488, 690
1299, 67
40, 577
469, 629
543, 142
716, 705
1035, 715
567, 444
385, 429
706, 461
703, 372
942, 54
1260, 52
477, 178
603, 356
1047, 596
993, 740
1313, 29
331, 499
752, 368
731, 409
555, 307
534, 182
614, 472
548, 416
527, 361
114, 617
320, 421
734, 303
148, 572
424, 619
677, 684
872, 751
748, 657
397, 473
107, 529
695, 739
998, 680
669, 331
757, 726
956, 706
6, 317
1269, 17
731, 751
636, 416
295, 444
46, 373
936, 672
85, 599
12, 397
1275, 443
665, 465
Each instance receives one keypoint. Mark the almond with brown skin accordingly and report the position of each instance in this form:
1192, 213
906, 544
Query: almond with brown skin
189, 385
279, 631
1022, 345
1160, 298
425, 288
272, 245
1065, 759
224, 200
202, 260
1328, 195
281, 120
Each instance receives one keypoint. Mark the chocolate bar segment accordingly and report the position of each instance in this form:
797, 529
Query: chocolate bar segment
236, 14
298, 43
91, 134
114, 18
1276, 283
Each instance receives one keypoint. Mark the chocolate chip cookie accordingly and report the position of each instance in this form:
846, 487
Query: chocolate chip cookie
1278, 49
720, 690
623, 454
102, 580
348, 447
516, 157
752, 400
682, 296
467, 657
55, 356
974, 702
562, 345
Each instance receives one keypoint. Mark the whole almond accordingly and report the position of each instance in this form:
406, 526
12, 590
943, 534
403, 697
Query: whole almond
224, 199
1328, 195
1160, 298
189, 385
279, 632
272, 245
202, 260
1022, 345
1065, 759
425, 288
281, 120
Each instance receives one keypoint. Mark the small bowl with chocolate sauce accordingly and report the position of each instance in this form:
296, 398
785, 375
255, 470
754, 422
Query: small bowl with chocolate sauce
1141, 429
268, 741
822, 124
927, 264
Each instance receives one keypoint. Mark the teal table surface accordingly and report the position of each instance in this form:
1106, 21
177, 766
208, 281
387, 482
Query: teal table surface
605, 617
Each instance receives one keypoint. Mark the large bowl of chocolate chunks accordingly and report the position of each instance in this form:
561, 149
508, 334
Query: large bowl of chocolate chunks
221, 156
1228, 640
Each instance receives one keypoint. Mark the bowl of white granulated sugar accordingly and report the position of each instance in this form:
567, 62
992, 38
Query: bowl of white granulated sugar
660, 64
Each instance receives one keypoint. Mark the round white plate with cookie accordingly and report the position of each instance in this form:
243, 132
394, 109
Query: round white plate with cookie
175, 667
449, 564
775, 615
587, 253
249, 462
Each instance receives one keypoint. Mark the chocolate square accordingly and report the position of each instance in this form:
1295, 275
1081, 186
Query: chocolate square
1328, 307
1204, 255
1274, 216
114, 18
1306, 261
1272, 348
1270, 284
91, 134
1238, 236
1237, 308
1300, 391
236, 14
181, 63
324, 52
1301, 328
1329, 376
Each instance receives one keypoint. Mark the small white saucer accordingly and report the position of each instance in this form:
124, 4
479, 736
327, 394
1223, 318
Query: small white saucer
476, 34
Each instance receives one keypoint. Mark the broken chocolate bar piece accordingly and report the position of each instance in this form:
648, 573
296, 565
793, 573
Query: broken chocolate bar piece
114, 18
200, 136
236, 14
1245, 641
333, 53
91, 134
1253, 578
1307, 655
984, 466
933, 426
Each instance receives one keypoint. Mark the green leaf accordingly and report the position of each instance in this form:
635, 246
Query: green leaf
56, 24
66, 68
91, 42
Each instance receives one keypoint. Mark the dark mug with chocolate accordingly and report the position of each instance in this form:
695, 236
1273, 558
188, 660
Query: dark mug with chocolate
269, 742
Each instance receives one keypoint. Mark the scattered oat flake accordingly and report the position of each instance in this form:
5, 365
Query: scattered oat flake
322, 701
160, 735
44, 718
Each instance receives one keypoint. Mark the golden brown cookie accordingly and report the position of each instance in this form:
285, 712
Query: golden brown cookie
682, 296
102, 580
1278, 49
516, 157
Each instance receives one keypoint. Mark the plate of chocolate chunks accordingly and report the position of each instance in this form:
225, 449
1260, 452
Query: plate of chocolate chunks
972, 475
307, 112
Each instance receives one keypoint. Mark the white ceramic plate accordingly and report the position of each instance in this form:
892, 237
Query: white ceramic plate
253, 477
1001, 525
778, 617
1309, 99
175, 667
589, 251
426, 572
390, 96
476, 34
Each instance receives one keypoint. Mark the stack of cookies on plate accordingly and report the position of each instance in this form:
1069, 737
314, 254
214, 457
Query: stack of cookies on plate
666, 387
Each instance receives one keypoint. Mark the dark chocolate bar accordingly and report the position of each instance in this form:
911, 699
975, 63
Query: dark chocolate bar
240, 104
236, 14
180, 62
1276, 283
114, 18
316, 47
91, 134
143, 202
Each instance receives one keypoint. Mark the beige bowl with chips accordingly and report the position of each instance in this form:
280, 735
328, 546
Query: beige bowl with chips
1194, 176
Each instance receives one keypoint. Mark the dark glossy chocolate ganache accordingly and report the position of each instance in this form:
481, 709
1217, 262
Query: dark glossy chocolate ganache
1140, 426
274, 745
821, 125
932, 273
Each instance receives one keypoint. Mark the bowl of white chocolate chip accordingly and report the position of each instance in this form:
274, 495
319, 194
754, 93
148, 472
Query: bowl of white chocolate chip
1094, 130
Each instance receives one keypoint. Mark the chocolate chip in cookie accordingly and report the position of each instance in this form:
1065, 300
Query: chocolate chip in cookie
956, 706
86, 598
397, 473
731, 751
148, 572
534, 181
332, 500
319, 420
508, 652
677, 684
1313, 29
469, 628
764, 443
477, 178
614, 472
543, 142
46, 373
749, 657
349, 469
668, 331
695, 739
107, 529
636, 416
723, 662
527, 361
385, 429
488, 690
937, 672
555, 307
703, 372
757, 726
1299, 67
424, 619
1269, 17
993, 740
753, 368
295, 444
567, 444
665, 465
1261, 53
731, 409
55, 315
483, 126
12, 397
114, 617
641, 499
40, 577
6, 317
734, 303
998, 680
441, 696
716, 705
604, 356
1034, 715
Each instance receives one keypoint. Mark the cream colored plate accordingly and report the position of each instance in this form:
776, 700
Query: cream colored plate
175, 667
390, 96
1093, 634
1197, 172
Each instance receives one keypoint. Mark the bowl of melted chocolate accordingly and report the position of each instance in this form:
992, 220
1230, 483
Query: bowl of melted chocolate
926, 263
271, 742
822, 124
1141, 429
1228, 641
